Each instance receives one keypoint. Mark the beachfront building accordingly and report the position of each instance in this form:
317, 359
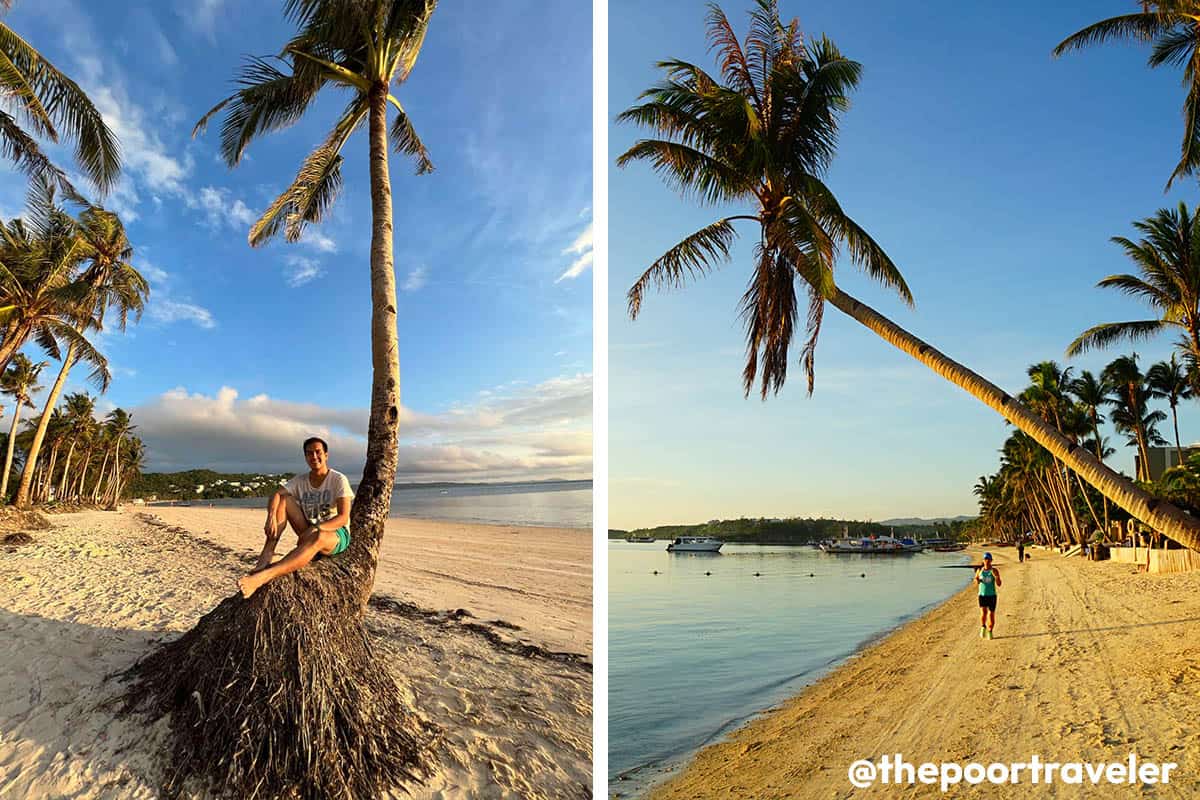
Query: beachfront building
1163, 458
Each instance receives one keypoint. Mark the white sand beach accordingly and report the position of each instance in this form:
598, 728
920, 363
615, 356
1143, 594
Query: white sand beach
509, 681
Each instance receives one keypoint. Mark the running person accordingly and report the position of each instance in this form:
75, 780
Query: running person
317, 506
988, 578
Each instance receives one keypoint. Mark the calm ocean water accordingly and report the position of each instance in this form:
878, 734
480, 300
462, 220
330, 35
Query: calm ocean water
691, 656
555, 505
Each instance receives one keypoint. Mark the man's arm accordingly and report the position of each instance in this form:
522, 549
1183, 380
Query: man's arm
996, 573
342, 518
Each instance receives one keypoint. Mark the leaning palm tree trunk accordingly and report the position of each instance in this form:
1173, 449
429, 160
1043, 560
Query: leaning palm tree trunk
27, 476
8, 456
1156, 513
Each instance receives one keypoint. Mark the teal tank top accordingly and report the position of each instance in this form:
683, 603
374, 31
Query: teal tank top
987, 583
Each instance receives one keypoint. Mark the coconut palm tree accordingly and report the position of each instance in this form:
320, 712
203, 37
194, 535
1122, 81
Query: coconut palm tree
78, 410
1169, 381
1129, 405
119, 424
764, 134
1171, 25
107, 281
1091, 394
19, 381
40, 255
44, 102
1167, 258
363, 50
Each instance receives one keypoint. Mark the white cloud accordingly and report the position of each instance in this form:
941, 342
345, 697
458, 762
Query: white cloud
577, 267
202, 16
515, 432
301, 270
166, 310
416, 279
149, 271
318, 241
582, 247
220, 208
582, 243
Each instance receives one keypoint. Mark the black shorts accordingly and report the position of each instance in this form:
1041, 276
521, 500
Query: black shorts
987, 601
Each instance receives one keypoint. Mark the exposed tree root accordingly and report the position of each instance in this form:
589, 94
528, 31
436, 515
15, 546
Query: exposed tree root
280, 696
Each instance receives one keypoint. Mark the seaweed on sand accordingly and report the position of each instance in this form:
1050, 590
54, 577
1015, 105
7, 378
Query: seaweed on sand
282, 696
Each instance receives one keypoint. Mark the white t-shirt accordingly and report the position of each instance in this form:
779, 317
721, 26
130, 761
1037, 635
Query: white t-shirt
320, 504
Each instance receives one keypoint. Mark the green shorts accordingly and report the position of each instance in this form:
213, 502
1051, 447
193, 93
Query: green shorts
343, 540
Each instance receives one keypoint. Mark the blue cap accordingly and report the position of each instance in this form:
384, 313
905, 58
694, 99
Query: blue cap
987, 556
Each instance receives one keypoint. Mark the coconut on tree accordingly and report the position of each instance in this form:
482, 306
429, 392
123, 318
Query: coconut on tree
210, 679
764, 132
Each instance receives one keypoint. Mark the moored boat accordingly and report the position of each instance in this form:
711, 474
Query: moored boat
695, 544
639, 539
872, 545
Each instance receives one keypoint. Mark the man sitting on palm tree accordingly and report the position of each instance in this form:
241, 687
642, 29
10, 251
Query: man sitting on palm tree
317, 506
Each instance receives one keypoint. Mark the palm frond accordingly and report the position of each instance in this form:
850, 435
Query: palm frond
1189, 158
405, 140
70, 109
769, 312
1105, 334
1138, 27
269, 99
26, 154
722, 38
1175, 47
687, 170
696, 256
1134, 286
864, 251
311, 194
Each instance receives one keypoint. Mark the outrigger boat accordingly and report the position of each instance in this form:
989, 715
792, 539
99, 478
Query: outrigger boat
884, 545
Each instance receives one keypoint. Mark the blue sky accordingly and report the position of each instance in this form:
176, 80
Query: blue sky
992, 174
242, 353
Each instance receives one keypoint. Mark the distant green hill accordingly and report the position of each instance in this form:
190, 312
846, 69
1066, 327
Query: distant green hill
203, 484
791, 531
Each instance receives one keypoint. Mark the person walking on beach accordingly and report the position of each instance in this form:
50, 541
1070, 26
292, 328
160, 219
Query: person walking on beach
317, 506
1021, 552
988, 578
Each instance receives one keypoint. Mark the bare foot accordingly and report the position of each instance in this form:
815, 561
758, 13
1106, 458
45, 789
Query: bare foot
249, 584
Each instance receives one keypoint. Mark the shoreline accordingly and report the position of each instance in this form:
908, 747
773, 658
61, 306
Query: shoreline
645, 787
217, 505
1090, 663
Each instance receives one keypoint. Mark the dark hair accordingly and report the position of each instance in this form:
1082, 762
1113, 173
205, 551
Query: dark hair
310, 440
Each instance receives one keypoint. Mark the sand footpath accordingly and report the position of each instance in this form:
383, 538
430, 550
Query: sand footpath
1091, 662
88, 597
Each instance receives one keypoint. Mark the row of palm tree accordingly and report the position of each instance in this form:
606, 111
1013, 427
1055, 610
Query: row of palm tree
1035, 492
99, 457
60, 276
763, 131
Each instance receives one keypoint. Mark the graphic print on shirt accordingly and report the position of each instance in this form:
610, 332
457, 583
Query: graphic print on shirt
317, 505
